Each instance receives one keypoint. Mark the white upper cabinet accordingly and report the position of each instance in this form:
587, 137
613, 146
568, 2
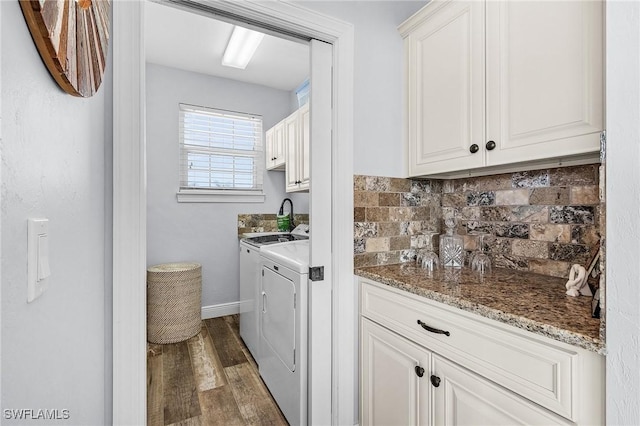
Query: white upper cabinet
305, 135
444, 72
275, 150
539, 103
292, 128
297, 150
544, 79
287, 148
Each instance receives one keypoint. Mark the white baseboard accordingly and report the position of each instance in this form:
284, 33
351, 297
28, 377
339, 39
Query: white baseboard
214, 311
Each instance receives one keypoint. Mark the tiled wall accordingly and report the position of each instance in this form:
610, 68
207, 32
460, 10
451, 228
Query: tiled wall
542, 221
389, 215
264, 222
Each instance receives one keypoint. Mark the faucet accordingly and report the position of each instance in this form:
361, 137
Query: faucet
281, 212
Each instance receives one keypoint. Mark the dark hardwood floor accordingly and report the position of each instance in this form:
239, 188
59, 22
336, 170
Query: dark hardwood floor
210, 379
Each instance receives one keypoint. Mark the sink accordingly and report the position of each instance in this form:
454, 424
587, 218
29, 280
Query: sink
274, 239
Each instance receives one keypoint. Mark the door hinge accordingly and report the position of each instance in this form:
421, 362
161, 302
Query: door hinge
316, 273
603, 146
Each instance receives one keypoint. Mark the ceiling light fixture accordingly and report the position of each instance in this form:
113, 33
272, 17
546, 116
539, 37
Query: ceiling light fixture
241, 47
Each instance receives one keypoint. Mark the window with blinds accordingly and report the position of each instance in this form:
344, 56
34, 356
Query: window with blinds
220, 151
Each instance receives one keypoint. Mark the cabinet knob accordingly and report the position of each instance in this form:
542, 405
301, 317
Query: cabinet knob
435, 380
490, 145
474, 148
419, 371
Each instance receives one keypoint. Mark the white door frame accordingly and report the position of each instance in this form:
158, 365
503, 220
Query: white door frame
129, 199
0, 194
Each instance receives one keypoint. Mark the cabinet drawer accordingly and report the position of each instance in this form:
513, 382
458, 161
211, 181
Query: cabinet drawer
537, 370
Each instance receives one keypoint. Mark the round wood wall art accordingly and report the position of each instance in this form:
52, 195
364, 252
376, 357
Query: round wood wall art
72, 37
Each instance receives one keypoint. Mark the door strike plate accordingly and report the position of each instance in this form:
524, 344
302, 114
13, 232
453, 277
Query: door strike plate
316, 273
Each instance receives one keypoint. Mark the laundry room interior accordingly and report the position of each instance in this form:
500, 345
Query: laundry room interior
179, 72
185, 223
203, 232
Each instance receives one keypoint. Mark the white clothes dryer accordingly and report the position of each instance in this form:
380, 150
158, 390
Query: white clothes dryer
283, 327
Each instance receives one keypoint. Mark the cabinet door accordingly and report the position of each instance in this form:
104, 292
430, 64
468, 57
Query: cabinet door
278, 147
463, 398
269, 149
391, 391
291, 158
544, 79
304, 147
444, 66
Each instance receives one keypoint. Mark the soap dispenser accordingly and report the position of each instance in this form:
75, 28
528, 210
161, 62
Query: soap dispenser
451, 245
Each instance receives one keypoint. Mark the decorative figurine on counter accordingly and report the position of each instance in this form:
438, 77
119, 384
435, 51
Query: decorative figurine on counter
577, 283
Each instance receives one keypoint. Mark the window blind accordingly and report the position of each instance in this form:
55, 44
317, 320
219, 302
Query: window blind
220, 150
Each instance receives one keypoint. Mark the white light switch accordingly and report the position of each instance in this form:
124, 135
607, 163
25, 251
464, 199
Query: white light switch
43, 256
38, 257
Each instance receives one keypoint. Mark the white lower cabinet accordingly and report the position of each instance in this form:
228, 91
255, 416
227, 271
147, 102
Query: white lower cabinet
426, 363
464, 398
393, 393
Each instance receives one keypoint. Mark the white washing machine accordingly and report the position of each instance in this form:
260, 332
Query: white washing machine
283, 327
250, 276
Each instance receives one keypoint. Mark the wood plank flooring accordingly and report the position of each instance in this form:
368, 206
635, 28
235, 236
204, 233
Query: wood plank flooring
211, 379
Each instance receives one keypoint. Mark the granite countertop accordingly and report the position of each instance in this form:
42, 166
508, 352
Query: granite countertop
533, 302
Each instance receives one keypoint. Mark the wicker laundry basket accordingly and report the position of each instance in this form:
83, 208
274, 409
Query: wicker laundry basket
173, 302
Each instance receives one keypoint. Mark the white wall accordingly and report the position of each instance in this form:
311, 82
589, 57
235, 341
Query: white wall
622, 299
378, 98
203, 232
53, 146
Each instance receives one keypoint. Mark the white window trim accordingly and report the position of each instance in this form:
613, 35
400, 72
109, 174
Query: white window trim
206, 195
219, 196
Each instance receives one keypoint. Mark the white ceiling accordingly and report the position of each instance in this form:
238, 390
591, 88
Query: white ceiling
192, 42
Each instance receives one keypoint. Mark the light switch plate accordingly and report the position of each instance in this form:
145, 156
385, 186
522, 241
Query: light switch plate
37, 258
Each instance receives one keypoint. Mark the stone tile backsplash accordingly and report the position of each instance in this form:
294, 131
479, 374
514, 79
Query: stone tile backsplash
389, 215
541, 221
254, 222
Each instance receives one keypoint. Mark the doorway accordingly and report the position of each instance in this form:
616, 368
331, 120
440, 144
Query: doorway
129, 204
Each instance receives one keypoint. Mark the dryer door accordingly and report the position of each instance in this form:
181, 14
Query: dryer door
278, 318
